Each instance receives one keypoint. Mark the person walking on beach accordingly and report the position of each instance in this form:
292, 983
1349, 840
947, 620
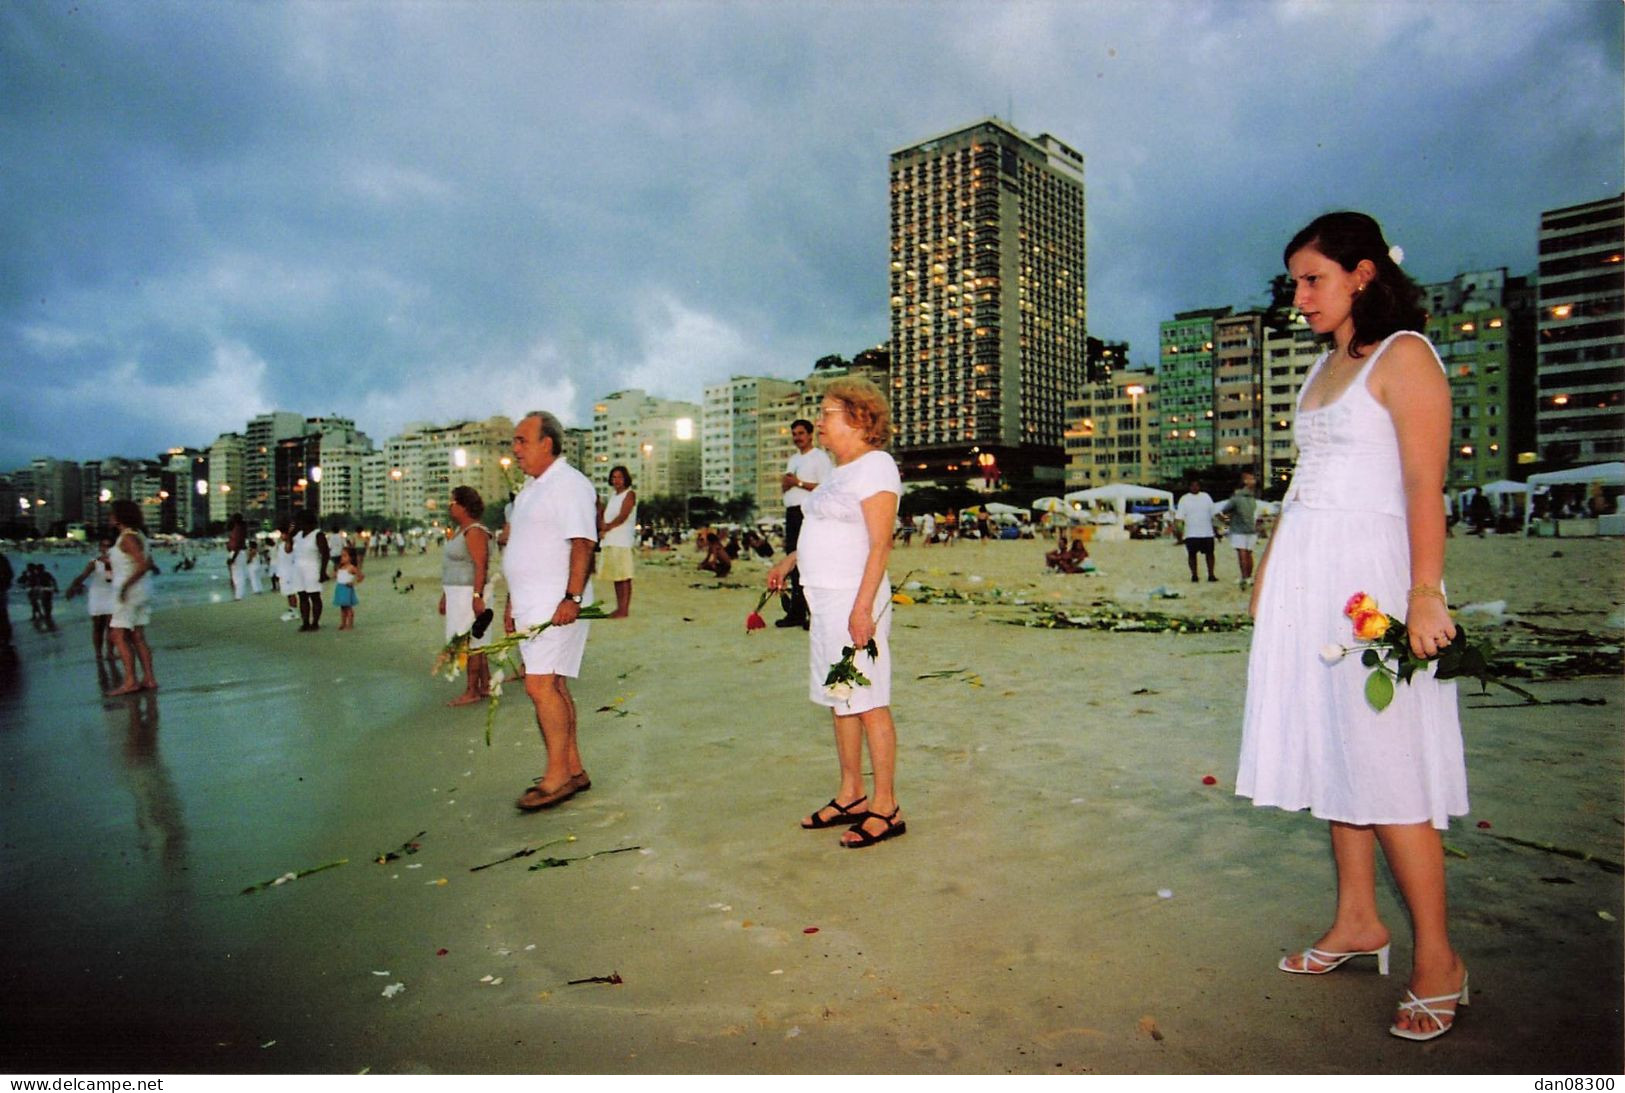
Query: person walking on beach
842, 553
554, 522
1362, 516
345, 578
1195, 515
96, 579
1242, 507
802, 474
236, 557
617, 535
132, 610
465, 585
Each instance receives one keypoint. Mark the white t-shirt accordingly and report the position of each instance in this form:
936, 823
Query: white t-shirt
551, 510
834, 542
812, 465
1195, 510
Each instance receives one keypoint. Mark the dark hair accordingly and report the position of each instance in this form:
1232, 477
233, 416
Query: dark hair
803, 422
470, 499
1391, 300
128, 514
305, 520
622, 468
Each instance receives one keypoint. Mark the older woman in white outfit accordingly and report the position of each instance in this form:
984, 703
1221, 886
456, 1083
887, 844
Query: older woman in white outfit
842, 553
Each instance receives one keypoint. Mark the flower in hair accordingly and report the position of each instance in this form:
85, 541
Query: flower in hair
1397, 254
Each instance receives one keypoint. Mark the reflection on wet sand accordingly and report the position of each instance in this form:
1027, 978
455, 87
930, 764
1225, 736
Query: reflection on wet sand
159, 816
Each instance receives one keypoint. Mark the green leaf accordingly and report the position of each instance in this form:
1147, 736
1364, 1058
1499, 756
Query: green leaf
1379, 690
1371, 658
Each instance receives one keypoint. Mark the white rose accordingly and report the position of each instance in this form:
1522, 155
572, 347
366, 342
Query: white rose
1331, 654
840, 691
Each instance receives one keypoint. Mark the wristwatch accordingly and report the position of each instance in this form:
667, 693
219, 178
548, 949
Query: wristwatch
573, 597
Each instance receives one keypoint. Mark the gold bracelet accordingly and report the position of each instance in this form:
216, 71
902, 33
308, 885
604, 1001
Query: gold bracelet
1432, 590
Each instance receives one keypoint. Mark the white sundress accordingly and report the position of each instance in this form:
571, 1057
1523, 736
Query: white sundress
1309, 738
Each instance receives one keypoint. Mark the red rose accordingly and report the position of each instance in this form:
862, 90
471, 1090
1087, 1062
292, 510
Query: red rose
754, 621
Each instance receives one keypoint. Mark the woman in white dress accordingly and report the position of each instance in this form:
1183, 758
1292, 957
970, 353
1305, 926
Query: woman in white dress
845, 542
132, 588
1362, 515
310, 557
617, 534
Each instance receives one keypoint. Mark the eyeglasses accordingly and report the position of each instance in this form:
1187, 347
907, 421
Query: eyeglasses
826, 411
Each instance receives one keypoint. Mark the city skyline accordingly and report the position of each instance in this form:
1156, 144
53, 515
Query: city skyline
436, 213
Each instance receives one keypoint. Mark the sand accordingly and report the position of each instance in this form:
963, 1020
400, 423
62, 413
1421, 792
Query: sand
1070, 897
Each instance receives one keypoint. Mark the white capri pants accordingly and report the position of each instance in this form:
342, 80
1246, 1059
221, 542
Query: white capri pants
828, 635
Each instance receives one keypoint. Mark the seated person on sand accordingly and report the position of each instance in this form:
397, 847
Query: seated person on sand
1069, 560
716, 555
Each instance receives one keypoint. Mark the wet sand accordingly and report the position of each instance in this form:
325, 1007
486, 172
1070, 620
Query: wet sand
1052, 781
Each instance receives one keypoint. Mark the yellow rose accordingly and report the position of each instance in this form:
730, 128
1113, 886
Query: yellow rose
1370, 625
902, 598
1357, 603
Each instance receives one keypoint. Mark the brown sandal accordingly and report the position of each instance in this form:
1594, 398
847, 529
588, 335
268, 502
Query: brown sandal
535, 798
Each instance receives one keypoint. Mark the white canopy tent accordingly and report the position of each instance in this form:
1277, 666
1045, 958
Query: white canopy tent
1597, 474
1117, 496
1602, 474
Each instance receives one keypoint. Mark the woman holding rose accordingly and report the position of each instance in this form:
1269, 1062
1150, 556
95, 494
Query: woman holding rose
845, 542
1362, 515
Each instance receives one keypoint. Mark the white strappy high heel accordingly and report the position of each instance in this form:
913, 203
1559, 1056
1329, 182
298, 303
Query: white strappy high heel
1444, 1020
1331, 961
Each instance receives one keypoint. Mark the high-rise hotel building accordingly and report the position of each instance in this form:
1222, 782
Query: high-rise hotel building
988, 301
1580, 370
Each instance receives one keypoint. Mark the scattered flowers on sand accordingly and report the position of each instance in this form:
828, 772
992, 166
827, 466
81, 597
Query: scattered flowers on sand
410, 846
275, 882
1385, 647
522, 852
1133, 622
501, 653
557, 863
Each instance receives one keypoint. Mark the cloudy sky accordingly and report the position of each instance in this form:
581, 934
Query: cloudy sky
435, 210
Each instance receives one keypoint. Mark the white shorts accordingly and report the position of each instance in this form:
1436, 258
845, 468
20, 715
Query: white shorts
460, 614
556, 651
305, 578
828, 635
135, 609
1242, 542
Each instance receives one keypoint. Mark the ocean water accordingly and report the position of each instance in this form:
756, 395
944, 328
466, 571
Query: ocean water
205, 582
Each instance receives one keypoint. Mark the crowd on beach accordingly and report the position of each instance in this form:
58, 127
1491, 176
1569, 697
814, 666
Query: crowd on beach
1361, 526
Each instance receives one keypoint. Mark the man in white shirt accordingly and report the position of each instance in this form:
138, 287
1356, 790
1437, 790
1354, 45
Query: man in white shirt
554, 527
808, 467
1195, 516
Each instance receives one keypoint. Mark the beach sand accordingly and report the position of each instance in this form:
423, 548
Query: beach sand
1070, 896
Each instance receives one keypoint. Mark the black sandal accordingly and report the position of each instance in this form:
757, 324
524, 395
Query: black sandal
845, 816
894, 827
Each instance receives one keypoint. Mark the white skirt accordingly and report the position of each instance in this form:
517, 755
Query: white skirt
831, 608
1309, 738
460, 614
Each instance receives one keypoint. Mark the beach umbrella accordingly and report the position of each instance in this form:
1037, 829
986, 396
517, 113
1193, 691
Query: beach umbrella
999, 508
1117, 495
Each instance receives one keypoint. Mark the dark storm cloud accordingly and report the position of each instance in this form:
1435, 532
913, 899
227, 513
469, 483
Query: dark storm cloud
432, 210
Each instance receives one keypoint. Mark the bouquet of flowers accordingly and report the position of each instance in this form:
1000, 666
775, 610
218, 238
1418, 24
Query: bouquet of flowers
1385, 648
502, 653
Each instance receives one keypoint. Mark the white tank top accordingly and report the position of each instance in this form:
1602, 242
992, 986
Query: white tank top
1348, 452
